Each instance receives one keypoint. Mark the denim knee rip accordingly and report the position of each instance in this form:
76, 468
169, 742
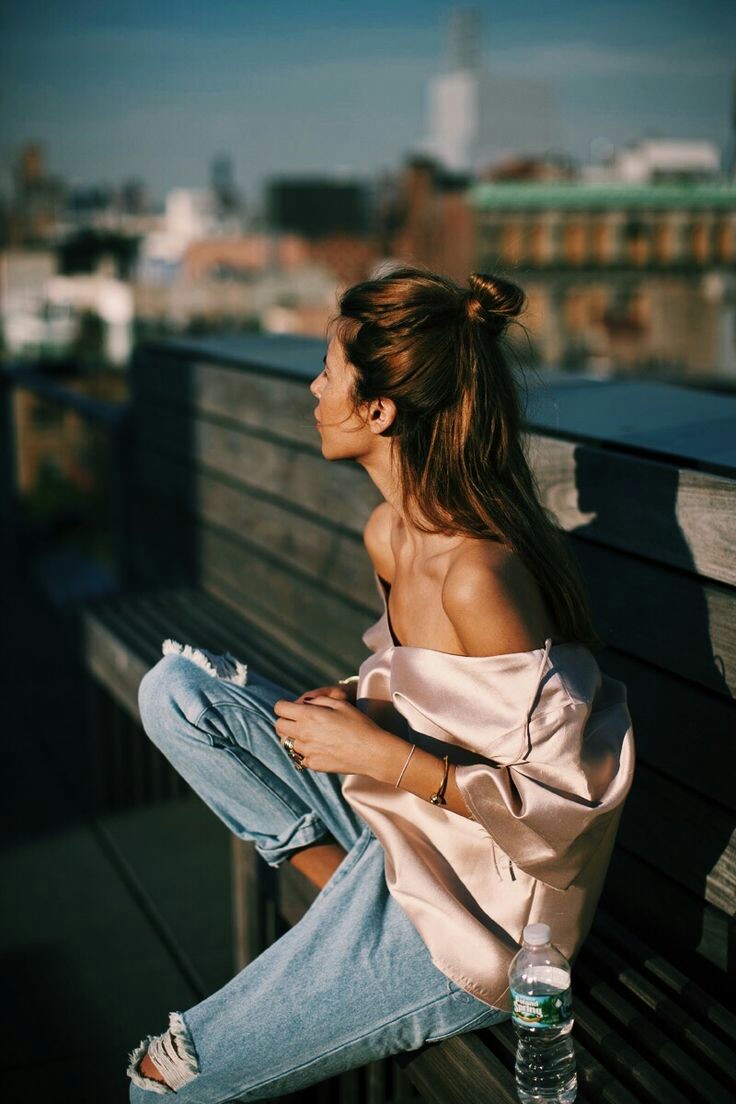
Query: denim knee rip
224, 666
172, 1054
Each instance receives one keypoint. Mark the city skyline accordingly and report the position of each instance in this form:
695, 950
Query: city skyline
156, 94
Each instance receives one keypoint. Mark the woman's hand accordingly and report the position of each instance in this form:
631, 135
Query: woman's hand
342, 693
330, 733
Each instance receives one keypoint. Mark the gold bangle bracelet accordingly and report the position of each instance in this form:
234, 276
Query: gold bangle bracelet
439, 797
406, 764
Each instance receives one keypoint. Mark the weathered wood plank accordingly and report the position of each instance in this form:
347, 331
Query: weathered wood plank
675, 720
112, 660
686, 837
247, 895
639, 415
296, 893
647, 613
457, 1070
622, 1055
594, 1079
665, 512
682, 624
680, 924
644, 998
254, 400
302, 612
665, 974
272, 524
670, 1060
341, 493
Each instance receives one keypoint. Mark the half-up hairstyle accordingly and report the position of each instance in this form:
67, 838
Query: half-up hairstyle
437, 351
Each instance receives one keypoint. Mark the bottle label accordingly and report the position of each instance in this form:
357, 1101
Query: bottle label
542, 1009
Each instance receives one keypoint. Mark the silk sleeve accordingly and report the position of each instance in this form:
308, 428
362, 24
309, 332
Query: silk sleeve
549, 809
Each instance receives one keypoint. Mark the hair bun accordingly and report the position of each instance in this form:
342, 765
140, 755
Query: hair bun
493, 300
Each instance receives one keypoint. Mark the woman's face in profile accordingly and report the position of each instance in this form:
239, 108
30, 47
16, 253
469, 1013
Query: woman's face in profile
341, 430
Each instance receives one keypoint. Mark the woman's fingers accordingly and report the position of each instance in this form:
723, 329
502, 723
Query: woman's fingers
327, 691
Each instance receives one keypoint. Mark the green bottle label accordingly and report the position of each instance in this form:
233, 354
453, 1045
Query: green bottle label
542, 1009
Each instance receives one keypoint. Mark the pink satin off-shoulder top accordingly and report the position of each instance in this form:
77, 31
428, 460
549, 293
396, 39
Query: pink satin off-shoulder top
544, 750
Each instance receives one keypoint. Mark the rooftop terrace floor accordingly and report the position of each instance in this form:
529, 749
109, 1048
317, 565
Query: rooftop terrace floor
100, 932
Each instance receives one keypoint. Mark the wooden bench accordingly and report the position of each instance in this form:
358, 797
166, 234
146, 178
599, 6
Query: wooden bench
242, 537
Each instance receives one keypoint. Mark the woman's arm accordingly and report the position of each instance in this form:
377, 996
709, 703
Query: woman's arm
422, 776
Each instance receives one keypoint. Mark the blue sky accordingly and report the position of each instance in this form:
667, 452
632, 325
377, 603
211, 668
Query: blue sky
156, 89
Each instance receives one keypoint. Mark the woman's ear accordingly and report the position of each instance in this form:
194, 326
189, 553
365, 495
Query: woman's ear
382, 414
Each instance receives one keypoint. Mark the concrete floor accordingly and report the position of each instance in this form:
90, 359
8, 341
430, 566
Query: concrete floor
100, 932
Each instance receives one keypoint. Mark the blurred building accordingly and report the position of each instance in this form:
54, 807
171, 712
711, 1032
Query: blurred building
281, 282
625, 278
658, 161
228, 201
31, 326
37, 201
315, 207
475, 116
431, 219
191, 214
47, 316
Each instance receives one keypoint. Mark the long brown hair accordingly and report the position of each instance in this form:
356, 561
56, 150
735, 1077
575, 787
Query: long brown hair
436, 350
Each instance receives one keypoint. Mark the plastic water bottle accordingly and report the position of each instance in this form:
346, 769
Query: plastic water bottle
539, 979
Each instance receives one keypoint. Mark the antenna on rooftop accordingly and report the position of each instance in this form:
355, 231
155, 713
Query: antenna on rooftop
464, 39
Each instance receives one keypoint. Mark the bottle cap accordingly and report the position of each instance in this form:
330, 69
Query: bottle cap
536, 935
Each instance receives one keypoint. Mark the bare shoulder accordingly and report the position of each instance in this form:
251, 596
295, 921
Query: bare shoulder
494, 602
377, 539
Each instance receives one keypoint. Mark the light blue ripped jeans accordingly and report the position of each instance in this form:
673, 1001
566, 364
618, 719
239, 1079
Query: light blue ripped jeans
352, 981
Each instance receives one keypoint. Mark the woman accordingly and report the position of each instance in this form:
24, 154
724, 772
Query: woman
467, 781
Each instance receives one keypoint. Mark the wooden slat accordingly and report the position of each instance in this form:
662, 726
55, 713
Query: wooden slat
641, 416
275, 525
646, 998
688, 838
692, 932
621, 1056
341, 493
665, 512
251, 399
457, 1070
112, 662
665, 1055
296, 893
208, 620
663, 616
247, 896
136, 625
594, 1079
305, 615
653, 964
299, 613
671, 718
